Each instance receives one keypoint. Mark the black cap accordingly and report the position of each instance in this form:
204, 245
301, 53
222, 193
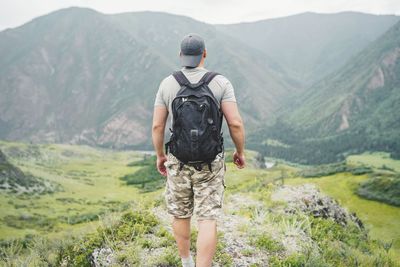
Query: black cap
192, 48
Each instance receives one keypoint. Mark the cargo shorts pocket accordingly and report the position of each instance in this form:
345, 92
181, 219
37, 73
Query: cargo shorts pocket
218, 163
172, 165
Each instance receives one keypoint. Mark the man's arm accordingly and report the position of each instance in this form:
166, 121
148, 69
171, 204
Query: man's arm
159, 120
236, 130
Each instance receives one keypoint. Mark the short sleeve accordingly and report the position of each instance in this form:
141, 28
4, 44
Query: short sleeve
229, 92
160, 101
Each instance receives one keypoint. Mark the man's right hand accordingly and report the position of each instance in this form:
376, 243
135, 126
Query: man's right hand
239, 160
160, 165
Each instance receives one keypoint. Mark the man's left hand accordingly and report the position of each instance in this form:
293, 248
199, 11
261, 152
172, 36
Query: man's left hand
160, 165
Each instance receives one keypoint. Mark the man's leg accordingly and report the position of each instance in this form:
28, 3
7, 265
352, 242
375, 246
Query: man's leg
179, 201
181, 228
208, 189
206, 242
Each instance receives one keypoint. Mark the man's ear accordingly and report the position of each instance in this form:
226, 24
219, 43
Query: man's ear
205, 53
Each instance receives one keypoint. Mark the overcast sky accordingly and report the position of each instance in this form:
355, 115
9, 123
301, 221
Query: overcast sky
16, 12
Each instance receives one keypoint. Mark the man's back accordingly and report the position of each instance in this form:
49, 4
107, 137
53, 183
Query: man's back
220, 86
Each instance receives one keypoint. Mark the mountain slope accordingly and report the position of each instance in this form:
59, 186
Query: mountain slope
352, 110
76, 75
311, 45
364, 91
72, 75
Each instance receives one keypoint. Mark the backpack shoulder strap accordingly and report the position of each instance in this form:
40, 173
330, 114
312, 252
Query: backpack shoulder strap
181, 78
208, 77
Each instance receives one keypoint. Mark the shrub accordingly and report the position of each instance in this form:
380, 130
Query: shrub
331, 169
131, 226
266, 242
147, 177
385, 188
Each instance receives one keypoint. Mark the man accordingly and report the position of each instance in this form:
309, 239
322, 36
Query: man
186, 186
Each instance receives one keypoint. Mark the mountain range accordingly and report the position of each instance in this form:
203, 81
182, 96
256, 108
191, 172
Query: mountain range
79, 76
312, 45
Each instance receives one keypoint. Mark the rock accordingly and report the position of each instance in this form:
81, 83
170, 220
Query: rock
307, 198
102, 257
258, 161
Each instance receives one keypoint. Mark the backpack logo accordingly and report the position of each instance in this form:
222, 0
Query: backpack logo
197, 119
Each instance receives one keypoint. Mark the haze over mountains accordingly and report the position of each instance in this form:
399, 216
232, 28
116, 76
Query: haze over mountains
80, 76
311, 45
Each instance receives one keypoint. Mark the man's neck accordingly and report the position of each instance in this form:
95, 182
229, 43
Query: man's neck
195, 68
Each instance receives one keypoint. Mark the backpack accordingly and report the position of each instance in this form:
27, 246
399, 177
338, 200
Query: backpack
197, 119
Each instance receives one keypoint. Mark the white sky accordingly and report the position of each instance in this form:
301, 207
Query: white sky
16, 12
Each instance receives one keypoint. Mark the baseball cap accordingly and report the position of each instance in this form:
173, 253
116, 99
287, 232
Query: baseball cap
192, 47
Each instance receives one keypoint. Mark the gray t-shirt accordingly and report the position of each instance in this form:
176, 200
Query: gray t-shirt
169, 87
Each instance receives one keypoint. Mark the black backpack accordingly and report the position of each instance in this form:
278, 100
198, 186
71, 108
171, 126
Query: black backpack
197, 119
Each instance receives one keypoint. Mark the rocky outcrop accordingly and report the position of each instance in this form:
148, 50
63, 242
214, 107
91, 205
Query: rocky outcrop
308, 198
252, 231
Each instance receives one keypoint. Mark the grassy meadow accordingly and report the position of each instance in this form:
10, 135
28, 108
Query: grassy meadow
96, 184
90, 184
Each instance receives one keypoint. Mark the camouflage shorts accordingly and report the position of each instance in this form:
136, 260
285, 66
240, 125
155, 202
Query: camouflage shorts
189, 189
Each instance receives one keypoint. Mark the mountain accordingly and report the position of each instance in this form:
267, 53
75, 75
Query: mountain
311, 45
352, 110
71, 75
79, 76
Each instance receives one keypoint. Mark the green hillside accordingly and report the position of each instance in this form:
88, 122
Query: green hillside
15, 181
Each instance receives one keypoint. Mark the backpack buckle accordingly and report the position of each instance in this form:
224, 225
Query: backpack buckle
198, 167
181, 165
